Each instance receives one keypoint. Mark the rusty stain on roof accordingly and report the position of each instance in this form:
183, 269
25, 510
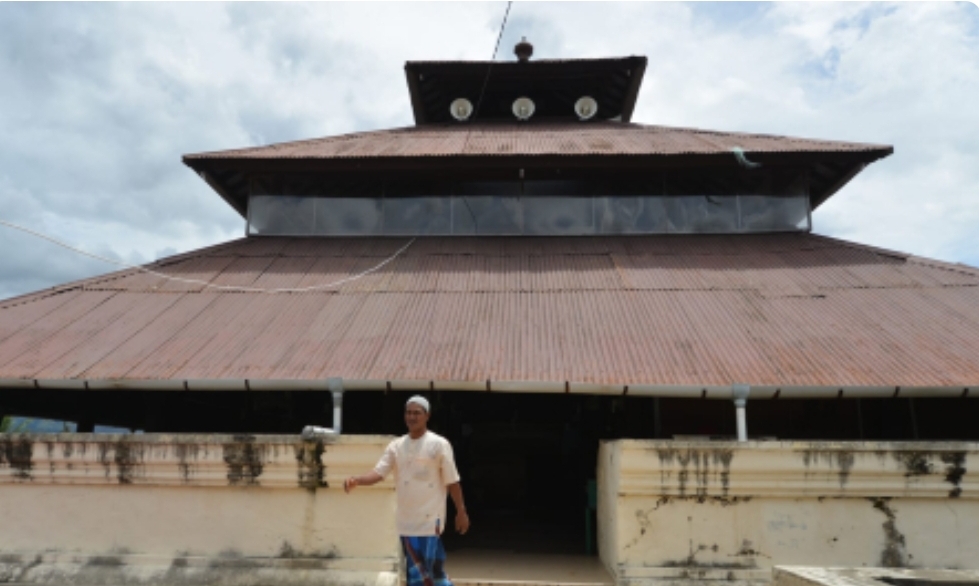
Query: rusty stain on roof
779, 309
536, 139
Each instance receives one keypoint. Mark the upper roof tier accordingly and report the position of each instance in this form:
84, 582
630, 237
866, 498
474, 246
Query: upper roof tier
554, 86
596, 147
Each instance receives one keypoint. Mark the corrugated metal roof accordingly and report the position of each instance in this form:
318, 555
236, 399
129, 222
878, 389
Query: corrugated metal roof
789, 309
536, 139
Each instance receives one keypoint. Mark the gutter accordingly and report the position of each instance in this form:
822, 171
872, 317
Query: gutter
722, 392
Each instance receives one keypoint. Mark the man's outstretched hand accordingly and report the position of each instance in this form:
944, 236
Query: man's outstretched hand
368, 479
462, 522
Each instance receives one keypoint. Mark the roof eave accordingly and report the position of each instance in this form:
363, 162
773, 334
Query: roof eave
816, 199
238, 202
227, 175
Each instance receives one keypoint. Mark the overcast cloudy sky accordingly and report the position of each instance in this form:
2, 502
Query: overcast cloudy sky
99, 101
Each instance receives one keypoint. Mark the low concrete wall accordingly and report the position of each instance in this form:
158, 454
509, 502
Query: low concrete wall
193, 509
805, 576
680, 511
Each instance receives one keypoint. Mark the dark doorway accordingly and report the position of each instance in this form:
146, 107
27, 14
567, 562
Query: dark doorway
526, 463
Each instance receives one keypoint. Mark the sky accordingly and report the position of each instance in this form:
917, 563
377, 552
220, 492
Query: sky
99, 102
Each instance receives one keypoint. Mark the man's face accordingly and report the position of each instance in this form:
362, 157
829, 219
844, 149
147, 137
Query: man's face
415, 418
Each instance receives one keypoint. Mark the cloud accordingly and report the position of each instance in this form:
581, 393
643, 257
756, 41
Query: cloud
101, 100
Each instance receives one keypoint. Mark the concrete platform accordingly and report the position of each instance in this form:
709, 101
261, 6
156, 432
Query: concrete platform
474, 567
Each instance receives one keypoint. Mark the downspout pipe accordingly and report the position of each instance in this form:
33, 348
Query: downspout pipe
739, 393
335, 385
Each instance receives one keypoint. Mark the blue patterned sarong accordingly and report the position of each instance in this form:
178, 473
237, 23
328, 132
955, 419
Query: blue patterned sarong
425, 561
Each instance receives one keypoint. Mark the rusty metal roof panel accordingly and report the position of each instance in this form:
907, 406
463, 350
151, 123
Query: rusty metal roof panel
241, 272
174, 318
45, 329
535, 139
311, 347
168, 359
274, 344
102, 338
70, 341
266, 332
284, 273
780, 309
31, 312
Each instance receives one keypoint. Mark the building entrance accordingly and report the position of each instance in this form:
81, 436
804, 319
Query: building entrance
527, 462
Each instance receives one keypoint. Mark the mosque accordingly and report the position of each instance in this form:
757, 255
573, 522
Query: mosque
649, 366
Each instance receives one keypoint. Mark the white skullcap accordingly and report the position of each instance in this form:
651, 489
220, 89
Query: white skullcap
420, 401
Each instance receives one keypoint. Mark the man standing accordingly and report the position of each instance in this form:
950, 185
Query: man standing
424, 470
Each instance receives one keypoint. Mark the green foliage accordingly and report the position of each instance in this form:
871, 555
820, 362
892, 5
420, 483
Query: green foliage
15, 424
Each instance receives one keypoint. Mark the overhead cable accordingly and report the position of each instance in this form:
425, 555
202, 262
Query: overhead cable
489, 68
208, 284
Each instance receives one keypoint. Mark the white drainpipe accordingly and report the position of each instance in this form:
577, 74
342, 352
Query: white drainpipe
336, 387
740, 395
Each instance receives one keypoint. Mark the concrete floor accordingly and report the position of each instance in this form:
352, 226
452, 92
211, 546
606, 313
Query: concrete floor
475, 567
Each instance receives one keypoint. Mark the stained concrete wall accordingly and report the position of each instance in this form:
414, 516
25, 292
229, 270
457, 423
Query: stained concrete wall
820, 576
96, 509
700, 511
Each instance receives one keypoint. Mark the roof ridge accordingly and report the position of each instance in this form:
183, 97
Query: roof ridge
943, 265
866, 247
197, 252
35, 296
905, 256
32, 297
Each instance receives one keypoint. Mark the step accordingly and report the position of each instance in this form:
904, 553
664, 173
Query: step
470, 567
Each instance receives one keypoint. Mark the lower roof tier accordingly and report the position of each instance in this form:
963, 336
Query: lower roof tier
790, 310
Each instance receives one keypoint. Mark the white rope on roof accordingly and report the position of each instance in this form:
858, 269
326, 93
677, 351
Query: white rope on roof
208, 284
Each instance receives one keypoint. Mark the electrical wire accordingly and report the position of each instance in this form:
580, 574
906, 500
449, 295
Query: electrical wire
479, 101
496, 48
482, 92
207, 284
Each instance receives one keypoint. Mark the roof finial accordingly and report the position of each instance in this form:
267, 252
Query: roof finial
523, 50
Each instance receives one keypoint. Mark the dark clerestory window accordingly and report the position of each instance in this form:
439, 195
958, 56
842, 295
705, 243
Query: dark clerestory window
305, 207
